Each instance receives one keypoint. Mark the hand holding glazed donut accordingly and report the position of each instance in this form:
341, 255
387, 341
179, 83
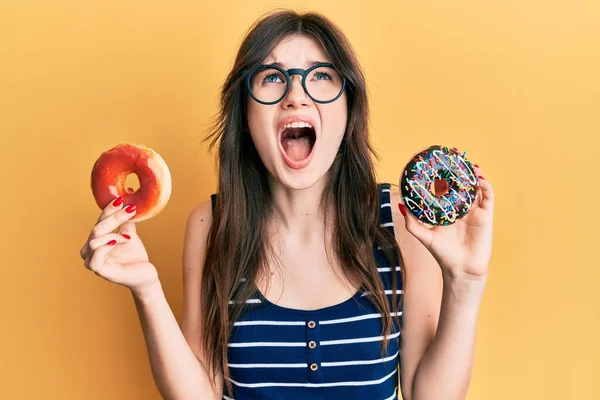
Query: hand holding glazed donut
463, 247
118, 257
121, 257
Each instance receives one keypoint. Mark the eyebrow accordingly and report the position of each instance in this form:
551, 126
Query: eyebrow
310, 63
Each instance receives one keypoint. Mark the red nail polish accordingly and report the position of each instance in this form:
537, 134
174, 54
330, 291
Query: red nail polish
481, 177
402, 208
130, 208
118, 201
125, 236
112, 242
476, 166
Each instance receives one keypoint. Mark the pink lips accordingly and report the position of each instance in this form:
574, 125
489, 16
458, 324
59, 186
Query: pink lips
292, 163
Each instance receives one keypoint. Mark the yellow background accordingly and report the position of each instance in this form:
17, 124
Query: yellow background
514, 83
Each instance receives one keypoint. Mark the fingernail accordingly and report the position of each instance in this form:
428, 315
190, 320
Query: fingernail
481, 177
130, 208
112, 242
402, 208
455, 149
118, 201
125, 236
476, 166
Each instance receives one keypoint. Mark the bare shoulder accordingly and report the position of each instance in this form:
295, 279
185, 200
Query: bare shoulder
422, 297
197, 227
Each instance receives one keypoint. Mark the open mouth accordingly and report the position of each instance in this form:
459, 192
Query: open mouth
297, 142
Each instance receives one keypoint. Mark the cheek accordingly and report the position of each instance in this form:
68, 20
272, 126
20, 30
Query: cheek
337, 118
260, 120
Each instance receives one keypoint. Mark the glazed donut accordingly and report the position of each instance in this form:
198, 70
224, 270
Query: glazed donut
114, 165
438, 185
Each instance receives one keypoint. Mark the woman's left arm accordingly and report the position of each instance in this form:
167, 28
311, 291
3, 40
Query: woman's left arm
446, 272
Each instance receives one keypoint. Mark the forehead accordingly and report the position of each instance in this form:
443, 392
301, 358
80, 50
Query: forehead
297, 51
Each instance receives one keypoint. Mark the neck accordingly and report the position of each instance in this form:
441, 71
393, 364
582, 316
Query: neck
298, 211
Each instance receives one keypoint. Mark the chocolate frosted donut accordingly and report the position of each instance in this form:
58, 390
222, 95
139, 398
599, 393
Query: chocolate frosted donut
438, 185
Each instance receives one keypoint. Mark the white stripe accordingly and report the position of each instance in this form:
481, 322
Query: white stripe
359, 362
357, 318
331, 384
324, 364
229, 398
243, 280
246, 323
398, 291
393, 396
250, 301
268, 344
386, 205
358, 340
387, 269
385, 190
322, 343
387, 225
324, 322
298, 365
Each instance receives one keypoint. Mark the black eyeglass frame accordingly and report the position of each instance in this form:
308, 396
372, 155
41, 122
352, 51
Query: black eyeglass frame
288, 75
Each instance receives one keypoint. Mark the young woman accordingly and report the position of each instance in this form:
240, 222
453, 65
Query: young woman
301, 270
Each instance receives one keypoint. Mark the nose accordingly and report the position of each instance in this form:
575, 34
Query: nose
296, 97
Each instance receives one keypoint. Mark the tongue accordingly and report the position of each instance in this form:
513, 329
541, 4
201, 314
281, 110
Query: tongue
297, 149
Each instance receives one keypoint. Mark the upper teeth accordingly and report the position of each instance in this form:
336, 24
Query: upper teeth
300, 124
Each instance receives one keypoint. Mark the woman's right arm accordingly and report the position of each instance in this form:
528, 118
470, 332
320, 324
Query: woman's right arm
175, 352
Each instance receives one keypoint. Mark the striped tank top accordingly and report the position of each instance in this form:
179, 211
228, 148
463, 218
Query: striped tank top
334, 352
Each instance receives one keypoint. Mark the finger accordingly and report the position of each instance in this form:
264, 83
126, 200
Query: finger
112, 207
104, 239
115, 205
415, 227
479, 174
128, 228
90, 254
93, 244
487, 194
109, 240
99, 256
113, 221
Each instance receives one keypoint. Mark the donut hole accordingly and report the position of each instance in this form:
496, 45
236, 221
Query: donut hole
440, 187
132, 183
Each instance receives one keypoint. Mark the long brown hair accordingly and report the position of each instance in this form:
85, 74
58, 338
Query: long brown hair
238, 245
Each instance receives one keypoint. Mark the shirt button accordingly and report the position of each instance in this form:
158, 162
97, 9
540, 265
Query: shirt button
311, 324
312, 344
314, 367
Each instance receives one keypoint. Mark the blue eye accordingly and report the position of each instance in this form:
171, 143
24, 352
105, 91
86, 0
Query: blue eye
320, 75
272, 78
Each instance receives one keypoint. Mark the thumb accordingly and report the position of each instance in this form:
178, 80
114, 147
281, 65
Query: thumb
128, 228
415, 227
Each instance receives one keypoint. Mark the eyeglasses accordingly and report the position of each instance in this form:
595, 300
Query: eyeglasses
269, 84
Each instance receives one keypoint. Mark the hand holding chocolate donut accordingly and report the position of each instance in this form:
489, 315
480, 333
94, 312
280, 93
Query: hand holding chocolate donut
449, 207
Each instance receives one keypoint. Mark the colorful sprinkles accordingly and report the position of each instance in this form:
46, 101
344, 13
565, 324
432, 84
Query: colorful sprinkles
420, 174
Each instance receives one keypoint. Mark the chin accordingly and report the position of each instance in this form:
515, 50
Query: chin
302, 179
